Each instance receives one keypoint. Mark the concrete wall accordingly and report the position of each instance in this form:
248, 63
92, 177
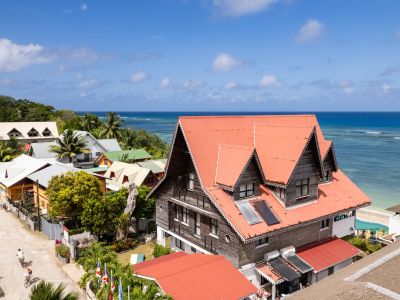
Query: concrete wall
394, 224
344, 227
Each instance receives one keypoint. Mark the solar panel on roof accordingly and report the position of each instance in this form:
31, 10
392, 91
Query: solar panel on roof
266, 212
249, 213
298, 263
283, 269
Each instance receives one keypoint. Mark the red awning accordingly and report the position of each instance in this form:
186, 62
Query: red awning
327, 253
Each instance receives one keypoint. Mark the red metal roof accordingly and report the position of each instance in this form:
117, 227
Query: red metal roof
196, 276
327, 253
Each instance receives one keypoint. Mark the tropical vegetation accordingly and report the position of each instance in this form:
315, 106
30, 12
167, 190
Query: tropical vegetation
139, 288
47, 291
112, 126
8, 150
68, 145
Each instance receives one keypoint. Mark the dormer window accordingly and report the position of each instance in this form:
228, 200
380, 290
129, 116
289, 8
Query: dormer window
246, 190
280, 192
14, 133
33, 132
302, 187
112, 174
126, 179
190, 184
327, 175
46, 132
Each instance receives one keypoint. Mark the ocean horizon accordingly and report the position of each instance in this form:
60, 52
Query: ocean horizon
367, 144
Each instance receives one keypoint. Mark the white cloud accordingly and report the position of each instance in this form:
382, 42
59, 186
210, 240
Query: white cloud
14, 57
269, 81
138, 77
386, 88
192, 84
347, 87
89, 83
310, 31
165, 82
230, 85
83, 7
225, 62
236, 8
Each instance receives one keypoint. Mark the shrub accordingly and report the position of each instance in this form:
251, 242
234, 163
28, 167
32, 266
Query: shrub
358, 242
373, 247
63, 251
160, 250
123, 245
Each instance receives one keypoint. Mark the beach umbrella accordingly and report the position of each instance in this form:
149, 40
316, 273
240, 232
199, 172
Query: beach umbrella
104, 279
120, 297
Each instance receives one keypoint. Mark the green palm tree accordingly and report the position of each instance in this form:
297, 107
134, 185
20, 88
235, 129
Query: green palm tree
112, 126
89, 122
69, 145
6, 152
46, 291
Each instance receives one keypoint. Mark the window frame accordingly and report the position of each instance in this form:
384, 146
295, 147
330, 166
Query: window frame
185, 215
245, 191
197, 224
262, 241
179, 244
300, 186
325, 223
213, 227
190, 184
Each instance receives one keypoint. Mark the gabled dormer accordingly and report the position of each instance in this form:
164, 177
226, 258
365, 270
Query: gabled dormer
46, 132
238, 171
330, 164
33, 132
14, 133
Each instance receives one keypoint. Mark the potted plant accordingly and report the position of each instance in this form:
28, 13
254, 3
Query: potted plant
63, 253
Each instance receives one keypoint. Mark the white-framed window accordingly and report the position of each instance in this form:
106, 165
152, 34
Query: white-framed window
262, 241
191, 181
185, 215
246, 190
177, 213
280, 192
302, 187
214, 227
325, 223
179, 244
197, 230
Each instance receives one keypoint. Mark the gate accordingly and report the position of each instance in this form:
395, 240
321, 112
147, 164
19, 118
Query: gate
52, 230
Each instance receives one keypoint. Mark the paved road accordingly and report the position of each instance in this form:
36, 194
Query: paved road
14, 235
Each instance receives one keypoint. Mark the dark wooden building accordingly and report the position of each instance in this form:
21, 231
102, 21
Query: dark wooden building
260, 190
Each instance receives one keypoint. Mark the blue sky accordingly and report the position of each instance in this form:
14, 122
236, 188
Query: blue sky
220, 55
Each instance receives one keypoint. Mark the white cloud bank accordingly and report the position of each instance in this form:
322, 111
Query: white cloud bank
310, 31
165, 82
269, 81
138, 77
14, 57
225, 62
236, 8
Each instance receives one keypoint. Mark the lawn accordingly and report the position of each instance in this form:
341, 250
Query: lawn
146, 249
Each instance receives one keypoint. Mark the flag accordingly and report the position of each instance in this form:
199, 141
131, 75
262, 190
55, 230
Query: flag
112, 286
98, 270
104, 279
120, 297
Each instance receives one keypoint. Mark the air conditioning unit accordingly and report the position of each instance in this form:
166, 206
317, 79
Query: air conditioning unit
287, 251
271, 255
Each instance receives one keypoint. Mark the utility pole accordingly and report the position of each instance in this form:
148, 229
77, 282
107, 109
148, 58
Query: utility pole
38, 204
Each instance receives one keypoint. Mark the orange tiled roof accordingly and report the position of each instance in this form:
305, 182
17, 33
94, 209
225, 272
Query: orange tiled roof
197, 276
250, 131
341, 194
278, 142
231, 162
269, 273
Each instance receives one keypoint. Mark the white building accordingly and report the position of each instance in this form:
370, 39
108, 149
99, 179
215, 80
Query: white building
29, 132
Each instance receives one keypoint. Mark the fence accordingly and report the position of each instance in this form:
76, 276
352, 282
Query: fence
24, 215
53, 230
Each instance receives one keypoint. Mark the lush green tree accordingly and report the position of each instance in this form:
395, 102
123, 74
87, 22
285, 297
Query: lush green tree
70, 144
46, 291
90, 122
160, 250
68, 193
145, 207
112, 126
67, 119
6, 153
103, 216
89, 256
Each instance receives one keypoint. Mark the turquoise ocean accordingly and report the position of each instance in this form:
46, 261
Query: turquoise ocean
367, 145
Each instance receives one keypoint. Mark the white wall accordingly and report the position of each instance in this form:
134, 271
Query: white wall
343, 264
394, 224
344, 227
249, 271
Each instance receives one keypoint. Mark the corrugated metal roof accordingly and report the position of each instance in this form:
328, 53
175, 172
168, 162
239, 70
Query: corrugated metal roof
110, 144
196, 276
156, 166
327, 253
135, 154
42, 150
25, 127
